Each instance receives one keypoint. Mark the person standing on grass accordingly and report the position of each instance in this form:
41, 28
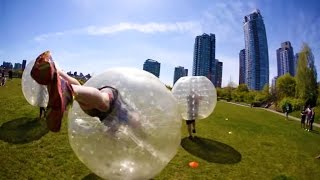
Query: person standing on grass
311, 119
309, 113
3, 81
42, 101
303, 118
193, 101
287, 110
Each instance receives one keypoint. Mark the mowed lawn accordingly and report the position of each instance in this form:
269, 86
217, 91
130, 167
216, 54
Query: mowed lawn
233, 143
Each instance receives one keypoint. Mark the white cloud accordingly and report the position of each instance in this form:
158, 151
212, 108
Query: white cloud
226, 20
153, 27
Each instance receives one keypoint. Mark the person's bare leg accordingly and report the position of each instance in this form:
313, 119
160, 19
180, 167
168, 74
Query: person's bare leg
304, 125
91, 98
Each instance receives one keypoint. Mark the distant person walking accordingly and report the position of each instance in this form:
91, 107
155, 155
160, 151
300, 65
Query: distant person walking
287, 109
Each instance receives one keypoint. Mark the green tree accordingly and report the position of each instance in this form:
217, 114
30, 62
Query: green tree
306, 77
285, 86
266, 91
242, 88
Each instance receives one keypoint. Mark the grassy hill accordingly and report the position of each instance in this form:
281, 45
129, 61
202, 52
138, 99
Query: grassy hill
233, 143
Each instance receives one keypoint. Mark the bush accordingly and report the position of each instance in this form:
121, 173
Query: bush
261, 97
296, 104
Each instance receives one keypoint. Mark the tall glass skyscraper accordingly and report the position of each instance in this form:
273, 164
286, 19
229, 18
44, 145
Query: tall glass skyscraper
204, 57
24, 62
152, 66
242, 66
219, 67
285, 59
256, 45
179, 72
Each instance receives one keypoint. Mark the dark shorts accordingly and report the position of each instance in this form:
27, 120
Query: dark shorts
189, 121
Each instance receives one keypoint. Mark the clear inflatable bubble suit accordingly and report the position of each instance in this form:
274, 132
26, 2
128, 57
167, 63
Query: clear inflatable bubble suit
138, 148
35, 94
196, 97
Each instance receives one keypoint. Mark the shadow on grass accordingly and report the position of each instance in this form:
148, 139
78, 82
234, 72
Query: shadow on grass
23, 130
211, 151
92, 176
282, 177
315, 132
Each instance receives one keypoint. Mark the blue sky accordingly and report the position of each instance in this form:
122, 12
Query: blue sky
90, 36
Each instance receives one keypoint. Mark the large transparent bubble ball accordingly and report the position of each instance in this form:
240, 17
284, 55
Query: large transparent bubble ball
137, 149
35, 94
196, 96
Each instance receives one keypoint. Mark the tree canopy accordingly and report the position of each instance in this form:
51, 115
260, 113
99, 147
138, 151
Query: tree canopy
306, 77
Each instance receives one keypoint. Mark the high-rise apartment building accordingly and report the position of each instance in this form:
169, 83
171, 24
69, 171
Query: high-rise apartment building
219, 67
256, 55
242, 66
152, 66
24, 62
178, 73
285, 59
204, 57
17, 66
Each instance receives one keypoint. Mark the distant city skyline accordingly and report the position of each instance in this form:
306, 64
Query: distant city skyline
92, 36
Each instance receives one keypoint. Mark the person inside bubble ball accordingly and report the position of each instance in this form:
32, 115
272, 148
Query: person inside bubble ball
63, 89
193, 101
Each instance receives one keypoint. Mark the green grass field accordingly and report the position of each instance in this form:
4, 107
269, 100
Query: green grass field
262, 145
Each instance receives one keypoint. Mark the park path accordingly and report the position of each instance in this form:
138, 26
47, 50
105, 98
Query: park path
282, 114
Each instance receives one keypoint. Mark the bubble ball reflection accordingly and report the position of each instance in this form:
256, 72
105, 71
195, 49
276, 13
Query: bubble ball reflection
138, 149
35, 94
196, 97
